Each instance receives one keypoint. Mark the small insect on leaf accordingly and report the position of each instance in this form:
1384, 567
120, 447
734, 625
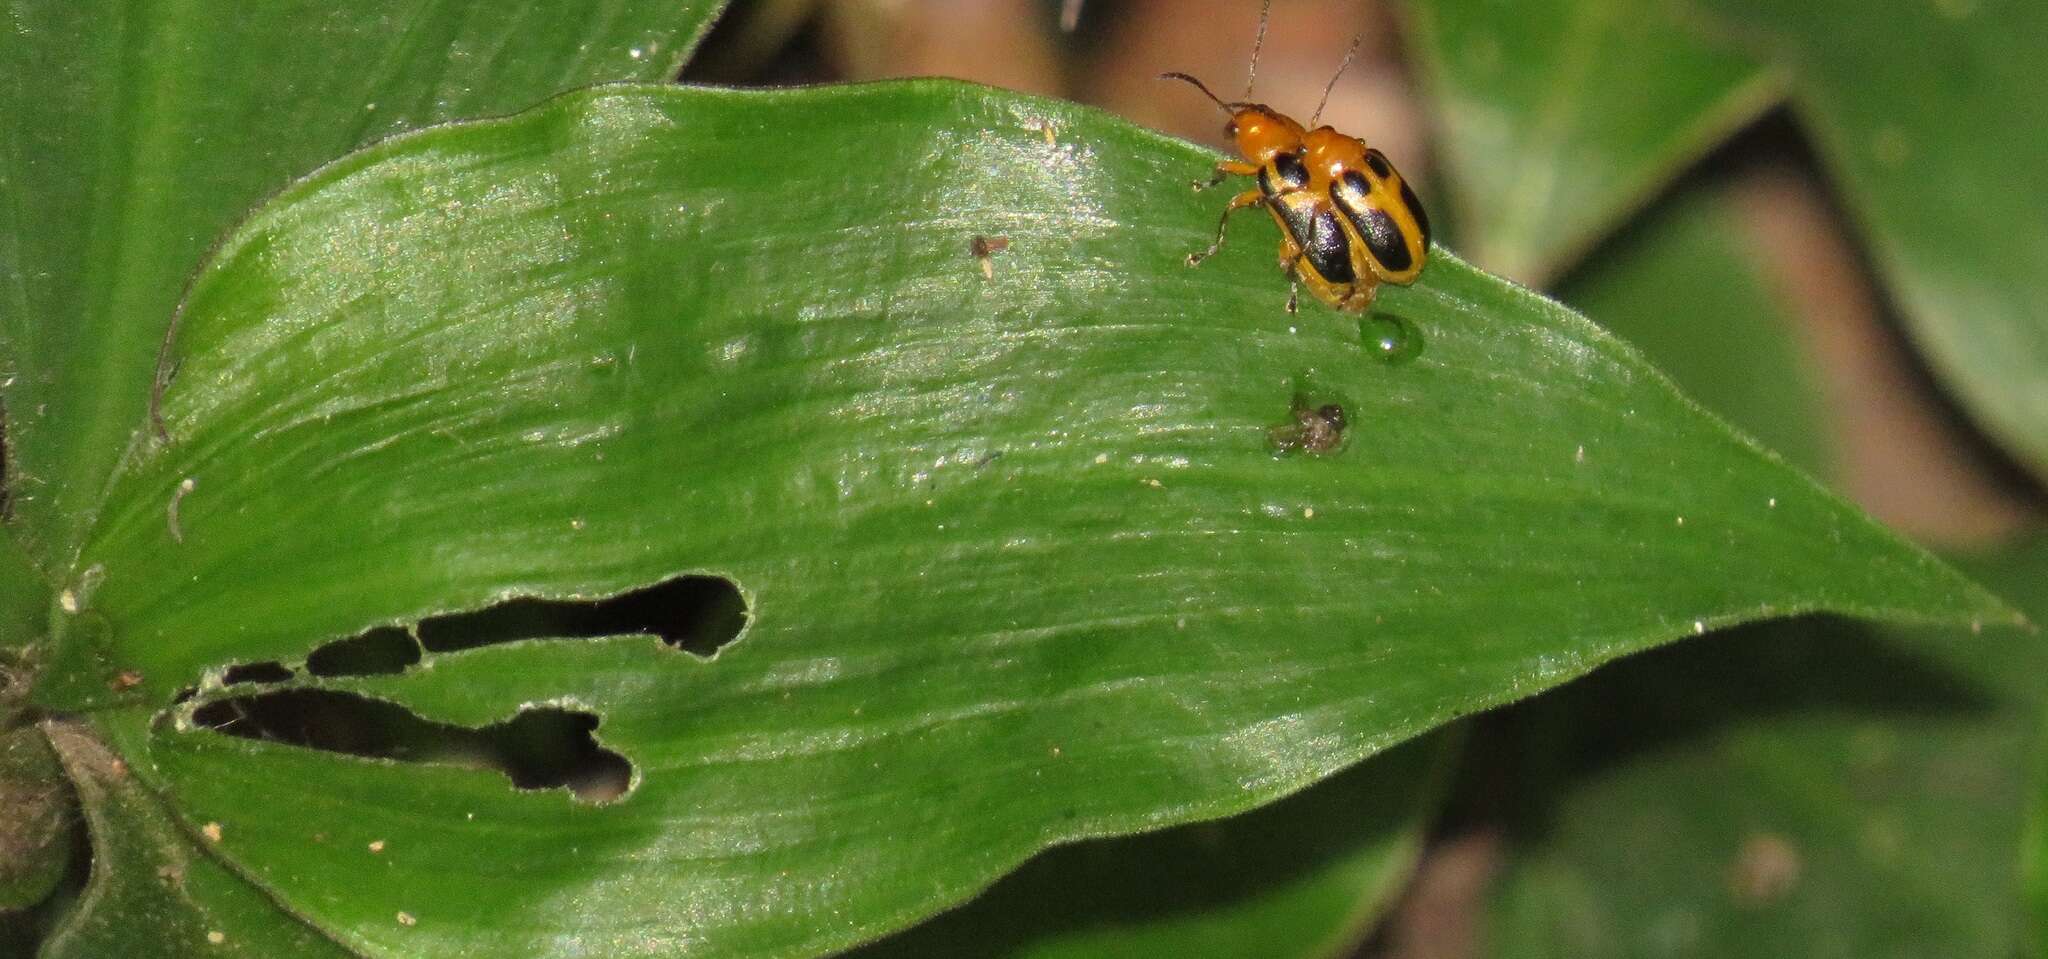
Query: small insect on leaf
984, 249
1309, 429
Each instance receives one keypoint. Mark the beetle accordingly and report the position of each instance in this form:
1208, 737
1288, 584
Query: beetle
1348, 220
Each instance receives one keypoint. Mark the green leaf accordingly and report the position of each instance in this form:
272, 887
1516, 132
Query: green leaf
153, 892
1304, 877
132, 135
1558, 117
35, 835
1947, 99
2034, 846
24, 603
1679, 284
1021, 565
1810, 788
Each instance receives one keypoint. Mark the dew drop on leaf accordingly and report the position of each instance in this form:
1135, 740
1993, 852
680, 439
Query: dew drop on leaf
1390, 338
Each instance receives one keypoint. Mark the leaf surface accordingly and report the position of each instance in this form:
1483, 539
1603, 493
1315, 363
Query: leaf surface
132, 135
1020, 563
1813, 787
154, 892
1305, 877
1816, 787
1679, 284
24, 597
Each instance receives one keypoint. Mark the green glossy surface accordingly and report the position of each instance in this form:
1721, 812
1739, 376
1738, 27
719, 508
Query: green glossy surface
132, 135
24, 600
1305, 877
1680, 285
1558, 117
1932, 117
155, 892
1813, 788
1022, 567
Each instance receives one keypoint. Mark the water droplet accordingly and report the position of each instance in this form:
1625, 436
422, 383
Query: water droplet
1390, 338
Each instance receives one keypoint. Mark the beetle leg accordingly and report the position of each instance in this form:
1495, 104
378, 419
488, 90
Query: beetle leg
1294, 282
1361, 298
1224, 171
1239, 202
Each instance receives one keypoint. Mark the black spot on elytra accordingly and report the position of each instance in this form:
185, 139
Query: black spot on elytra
1329, 250
1378, 162
1293, 174
1415, 206
1382, 235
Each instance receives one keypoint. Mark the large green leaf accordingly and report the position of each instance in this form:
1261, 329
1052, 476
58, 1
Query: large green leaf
35, 835
1813, 788
1022, 567
154, 892
1933, 117
1680, 284
133, 134
1558, 116
1304, 878
2034, 847
24, 602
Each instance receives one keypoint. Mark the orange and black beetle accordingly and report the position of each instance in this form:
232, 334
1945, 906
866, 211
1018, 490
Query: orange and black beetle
1348, 221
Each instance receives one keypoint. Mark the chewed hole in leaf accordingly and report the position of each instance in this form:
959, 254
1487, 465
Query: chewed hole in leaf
263, 672
379, 652
541, 747
697, 614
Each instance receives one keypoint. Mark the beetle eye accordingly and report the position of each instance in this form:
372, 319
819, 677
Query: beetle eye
1230, 129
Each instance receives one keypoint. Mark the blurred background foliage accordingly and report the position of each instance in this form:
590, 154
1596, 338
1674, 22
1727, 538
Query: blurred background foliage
1707, 180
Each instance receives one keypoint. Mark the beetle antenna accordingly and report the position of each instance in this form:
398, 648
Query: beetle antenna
1176, 75
1325, 101
1252, 72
